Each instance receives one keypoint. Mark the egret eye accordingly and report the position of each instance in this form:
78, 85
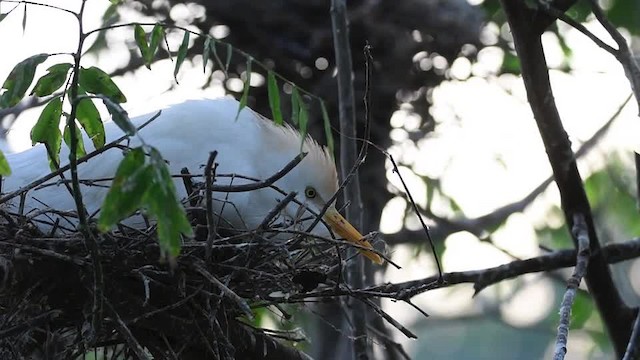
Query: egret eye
310, 192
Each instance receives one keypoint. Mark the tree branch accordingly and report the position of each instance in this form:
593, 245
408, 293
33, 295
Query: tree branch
615, 314
582, 261
349, 158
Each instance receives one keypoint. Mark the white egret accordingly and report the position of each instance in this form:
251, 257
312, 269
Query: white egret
185, 134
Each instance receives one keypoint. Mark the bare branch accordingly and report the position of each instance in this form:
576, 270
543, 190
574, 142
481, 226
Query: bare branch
582, 261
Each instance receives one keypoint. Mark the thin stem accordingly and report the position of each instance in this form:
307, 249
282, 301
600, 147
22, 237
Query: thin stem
89, 239
580, 232
349, 158
41, 4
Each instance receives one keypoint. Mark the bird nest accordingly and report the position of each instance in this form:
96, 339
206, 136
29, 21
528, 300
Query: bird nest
61, 301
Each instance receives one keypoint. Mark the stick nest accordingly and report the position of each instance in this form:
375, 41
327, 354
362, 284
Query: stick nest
196, 307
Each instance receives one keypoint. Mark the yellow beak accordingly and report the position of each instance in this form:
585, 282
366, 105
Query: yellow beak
344, 229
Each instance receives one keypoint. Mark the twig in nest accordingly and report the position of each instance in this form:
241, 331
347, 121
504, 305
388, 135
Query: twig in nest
389, 318
261, 184
45, 252
124, 331
240, 302
276, 210
209, 175
30, 323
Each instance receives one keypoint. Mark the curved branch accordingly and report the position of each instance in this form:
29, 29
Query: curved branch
616, 315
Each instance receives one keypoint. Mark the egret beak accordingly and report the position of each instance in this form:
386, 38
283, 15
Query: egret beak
344, 229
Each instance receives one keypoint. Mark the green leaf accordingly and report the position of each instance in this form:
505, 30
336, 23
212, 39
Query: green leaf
625, 14
214, 49
141, 41
19, 80
247, 85
182, 54
66, 135
139, 183
2, 16
581, 311
162, 203
89, 118
127, 190
111, 11
303, 121
229, 53
96, 81
156, 35
5, 170
205, 53
327, 127
145, 182
274, 98
295, 105
510, 63
52, 81
47, 131
120, 117
24, 19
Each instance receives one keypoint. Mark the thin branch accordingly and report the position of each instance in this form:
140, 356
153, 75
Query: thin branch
616, 315
549, 9
633, 348
240, 302
90, 241
406, 332
46, 252
209, 176
349, 158
276, 210
261, 184
613, 253
580, 232
41, 4
30, 323
124, 331
624, 54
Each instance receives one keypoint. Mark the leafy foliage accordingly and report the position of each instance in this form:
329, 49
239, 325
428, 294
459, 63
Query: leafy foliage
89, 118
97, 82
3, 16
5, 169
141, 41
48, 84
120, 117
625, 14
47, 131
327, 127
274, 98
66, 136
295, 105
206, 52
148, 49
19, 80
247, 86
182, 54
145, 182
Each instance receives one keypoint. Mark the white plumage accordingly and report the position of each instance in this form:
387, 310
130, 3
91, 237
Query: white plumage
185, 134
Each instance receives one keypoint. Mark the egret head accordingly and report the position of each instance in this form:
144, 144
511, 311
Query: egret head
315, 180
